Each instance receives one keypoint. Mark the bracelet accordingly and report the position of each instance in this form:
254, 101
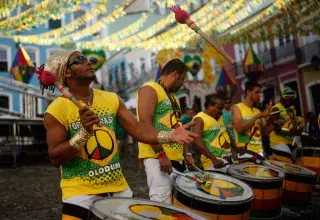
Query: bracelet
159, 151
188, 154
79, 139
164, 137
161, 155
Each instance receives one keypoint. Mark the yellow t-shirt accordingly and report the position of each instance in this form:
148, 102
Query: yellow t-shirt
241, 139
283, 137
215, 137
164, 119
95, 169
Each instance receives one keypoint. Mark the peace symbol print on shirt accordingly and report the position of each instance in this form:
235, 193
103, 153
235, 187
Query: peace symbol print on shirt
101, 145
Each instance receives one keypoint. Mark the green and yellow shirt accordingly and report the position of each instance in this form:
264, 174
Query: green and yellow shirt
215, 137
96, 168
255, 143
164, 119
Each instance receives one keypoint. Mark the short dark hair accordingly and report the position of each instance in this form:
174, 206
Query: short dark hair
211, 100
174, 65
250, 86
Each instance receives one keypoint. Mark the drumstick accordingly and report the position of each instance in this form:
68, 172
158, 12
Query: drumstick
207, 184
183, 17
276, 112
205, 174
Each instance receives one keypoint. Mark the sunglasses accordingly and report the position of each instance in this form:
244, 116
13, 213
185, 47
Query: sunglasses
78, 60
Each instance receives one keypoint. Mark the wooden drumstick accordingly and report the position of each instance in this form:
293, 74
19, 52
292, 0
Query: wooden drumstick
207, 184
183, 17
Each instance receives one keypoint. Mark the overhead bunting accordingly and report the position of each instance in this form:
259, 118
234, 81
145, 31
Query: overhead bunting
252, 65
22, 67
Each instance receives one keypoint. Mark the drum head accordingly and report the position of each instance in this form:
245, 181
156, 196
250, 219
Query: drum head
289, 168
255, 173
130, 208
224, 190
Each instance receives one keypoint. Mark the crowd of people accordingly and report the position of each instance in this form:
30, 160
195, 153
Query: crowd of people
87, 143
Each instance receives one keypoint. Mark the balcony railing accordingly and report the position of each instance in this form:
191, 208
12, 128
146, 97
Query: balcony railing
285, 51
266, 59
308, 51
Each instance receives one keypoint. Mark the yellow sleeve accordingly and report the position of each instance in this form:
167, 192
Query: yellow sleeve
56, 109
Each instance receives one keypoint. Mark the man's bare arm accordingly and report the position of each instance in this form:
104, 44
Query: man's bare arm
198, 142
145, 132
238, 124
59, 148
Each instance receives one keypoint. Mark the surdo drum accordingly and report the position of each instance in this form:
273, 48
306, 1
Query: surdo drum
309, 157
267, 186
117, 208
297, 184
228, 198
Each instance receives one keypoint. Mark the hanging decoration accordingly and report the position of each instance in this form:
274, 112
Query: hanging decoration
60, 35
7, 7
40, 14
193, 63
96, 57
164, 56
22, 67
252, 66
226, 85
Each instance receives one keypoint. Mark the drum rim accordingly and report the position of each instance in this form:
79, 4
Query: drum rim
215, 202
311, 174
143, 200
241, 177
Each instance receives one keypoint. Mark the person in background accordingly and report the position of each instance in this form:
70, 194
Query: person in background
213, 142
286, 125
249, 122
226, 116
187, 117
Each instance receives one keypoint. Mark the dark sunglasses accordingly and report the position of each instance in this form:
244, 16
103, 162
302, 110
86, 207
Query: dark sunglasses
78, 60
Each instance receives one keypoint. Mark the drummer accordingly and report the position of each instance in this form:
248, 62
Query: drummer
280, 140
88, 157
213, 141
249, 122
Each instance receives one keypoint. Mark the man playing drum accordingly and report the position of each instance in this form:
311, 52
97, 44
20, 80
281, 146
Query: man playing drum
287, 127
82, 141
249, 122
159, 107
213, 141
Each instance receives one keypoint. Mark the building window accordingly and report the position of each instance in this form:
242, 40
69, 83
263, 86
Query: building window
4, 101
32, 55
3, 59
153, 61
54, 24
142, 65
78, 14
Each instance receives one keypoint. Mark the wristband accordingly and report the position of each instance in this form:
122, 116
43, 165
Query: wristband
164, 137
79, 139
158, 151
161, 155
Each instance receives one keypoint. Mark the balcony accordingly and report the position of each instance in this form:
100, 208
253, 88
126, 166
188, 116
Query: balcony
285, 52
266, 59
305, 53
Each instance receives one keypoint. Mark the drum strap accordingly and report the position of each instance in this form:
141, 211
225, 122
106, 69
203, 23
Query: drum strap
178, 166
75, 211
106, 194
